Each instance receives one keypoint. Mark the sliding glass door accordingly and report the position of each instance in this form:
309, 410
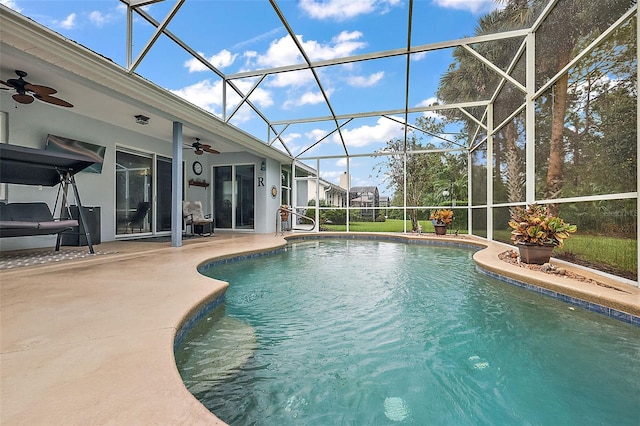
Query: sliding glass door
137, 175
134, 192
246, 197
234, 196
163, 194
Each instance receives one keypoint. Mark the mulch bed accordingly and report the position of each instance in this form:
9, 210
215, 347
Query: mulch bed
512, 257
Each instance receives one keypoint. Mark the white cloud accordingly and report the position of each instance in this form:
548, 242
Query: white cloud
419, 56
362, 81
11, 4
280, 52
292, 141
473, 6
344, 44
223, 59
332, 176
384, 130
307, 98
363, 181
250, 54
259, 96
260, 37
285, 52
208, 95
68, 23
205, 94
309, 138
220, 60
341, 162
100, 19
292, 78
315, 134
344, 9
290, 137
430, 102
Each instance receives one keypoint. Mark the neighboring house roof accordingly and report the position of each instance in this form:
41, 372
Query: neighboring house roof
360, 189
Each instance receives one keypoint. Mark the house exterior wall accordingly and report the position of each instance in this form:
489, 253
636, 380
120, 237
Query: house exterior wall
330, 194
29, 125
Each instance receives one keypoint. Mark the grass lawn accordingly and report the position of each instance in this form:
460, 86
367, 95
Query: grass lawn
609, 254
390, 225
614, 255
602, 251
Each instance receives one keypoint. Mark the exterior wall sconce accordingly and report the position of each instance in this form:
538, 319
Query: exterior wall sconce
142, 120
263, 165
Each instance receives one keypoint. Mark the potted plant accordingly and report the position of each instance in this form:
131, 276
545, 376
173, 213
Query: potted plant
441, 219
536, 232
284, 213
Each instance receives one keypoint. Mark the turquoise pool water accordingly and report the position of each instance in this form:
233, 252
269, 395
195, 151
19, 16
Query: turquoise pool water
376, 333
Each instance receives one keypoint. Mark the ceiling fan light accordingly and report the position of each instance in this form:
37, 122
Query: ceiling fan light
141, 119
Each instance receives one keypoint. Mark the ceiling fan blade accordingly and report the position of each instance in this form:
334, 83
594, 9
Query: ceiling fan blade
210, 150
53, 100
6, 84
40, 90
207, 148
22, 99
199, 152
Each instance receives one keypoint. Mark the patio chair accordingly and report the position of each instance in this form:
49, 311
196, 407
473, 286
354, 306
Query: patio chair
193, 216
137, 218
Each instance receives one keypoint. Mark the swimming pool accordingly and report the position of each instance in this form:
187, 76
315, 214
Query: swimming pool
373, 332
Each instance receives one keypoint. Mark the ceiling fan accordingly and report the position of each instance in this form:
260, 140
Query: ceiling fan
26, 91
201, 148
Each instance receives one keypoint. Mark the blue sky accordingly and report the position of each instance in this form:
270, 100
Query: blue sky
244, 35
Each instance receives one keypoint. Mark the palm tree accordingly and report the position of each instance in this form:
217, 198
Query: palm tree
469, 79
569, 24
557, 39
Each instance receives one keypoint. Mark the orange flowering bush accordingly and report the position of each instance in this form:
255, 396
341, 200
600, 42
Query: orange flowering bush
534, 225
442, 217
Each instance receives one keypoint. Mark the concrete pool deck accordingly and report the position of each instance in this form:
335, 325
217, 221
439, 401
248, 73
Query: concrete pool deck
90, 341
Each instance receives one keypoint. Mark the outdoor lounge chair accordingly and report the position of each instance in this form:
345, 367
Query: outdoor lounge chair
194, 216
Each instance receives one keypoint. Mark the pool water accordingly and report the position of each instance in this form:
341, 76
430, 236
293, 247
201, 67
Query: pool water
377, 333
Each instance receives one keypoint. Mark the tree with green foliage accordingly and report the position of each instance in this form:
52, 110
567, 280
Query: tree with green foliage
567, 28
469, 79
427, 173
601, 154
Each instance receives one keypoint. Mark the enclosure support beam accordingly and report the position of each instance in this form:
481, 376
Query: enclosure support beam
469, 193
176, 186
637, 150
530, 122
349, 192
404, 190
490, 166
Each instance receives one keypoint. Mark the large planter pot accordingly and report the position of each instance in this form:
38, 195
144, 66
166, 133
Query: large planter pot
535, 254
440, 229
